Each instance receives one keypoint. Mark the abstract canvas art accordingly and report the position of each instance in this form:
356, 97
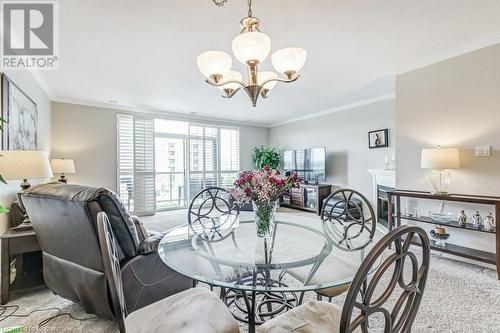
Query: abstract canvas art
21, 113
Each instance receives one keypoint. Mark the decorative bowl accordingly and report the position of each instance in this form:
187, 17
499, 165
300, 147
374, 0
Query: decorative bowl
441, 217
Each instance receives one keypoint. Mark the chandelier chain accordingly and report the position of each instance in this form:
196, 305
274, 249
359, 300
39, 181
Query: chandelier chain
249, 8
219, 3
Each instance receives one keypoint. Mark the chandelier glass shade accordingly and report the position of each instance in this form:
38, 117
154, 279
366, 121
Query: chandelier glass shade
251, 47
214, 62
231, 76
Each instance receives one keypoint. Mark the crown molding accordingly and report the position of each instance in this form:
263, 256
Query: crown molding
160, 113
472, 47
359, 103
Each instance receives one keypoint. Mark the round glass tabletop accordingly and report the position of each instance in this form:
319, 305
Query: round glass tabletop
300, 256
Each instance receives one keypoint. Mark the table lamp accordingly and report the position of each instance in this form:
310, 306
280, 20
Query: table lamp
62, 166
24, 164
440, 160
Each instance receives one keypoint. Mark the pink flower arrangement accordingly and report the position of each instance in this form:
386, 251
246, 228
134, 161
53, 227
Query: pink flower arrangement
262, 185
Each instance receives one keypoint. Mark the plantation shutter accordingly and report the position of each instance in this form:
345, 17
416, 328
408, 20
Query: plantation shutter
229, 155
136, 163
125, 140
144, 176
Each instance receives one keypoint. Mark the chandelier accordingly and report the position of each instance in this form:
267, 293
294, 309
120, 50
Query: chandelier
251, 47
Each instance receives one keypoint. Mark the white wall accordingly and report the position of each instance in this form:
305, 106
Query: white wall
345, 136
26, 82
87, 134
454, 103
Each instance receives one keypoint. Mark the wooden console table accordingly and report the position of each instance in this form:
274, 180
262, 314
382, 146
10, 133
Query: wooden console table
14, 243
461, 251
308, 197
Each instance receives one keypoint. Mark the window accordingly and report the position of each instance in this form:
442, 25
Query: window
214, 156
157, 158
170, 147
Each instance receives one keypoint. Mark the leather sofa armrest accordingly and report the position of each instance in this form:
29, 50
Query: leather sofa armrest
141, 230
150, 244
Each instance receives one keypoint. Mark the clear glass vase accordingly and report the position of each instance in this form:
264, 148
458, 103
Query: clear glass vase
264, 217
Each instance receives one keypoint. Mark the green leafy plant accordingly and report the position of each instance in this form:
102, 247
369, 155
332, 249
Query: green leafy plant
263, 156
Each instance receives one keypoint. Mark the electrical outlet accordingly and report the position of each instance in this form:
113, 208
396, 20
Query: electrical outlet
483, 151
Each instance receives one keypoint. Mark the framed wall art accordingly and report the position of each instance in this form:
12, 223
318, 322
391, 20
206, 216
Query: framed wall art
20, 132
378, 138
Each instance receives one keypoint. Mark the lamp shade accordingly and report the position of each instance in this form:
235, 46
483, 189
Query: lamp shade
440, 158
251, 46
62, 165
214, 62
229, 76
290, 59
267, 75
24, 164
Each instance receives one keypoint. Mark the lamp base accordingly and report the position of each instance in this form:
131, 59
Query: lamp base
63, 179
24, 186
440, 180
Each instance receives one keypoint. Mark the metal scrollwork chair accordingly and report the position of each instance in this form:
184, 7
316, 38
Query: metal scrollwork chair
391, 300
211, 211
171, 314
348, 219
213, 216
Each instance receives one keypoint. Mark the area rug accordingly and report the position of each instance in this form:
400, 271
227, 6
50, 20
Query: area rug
459, 297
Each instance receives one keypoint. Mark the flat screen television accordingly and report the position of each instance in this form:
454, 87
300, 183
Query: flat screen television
309, 163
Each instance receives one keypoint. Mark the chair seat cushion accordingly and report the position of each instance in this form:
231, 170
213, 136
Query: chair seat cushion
313, 317
191, 311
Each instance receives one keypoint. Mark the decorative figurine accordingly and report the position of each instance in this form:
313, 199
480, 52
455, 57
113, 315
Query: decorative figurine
462, 218
489, 222
477, 220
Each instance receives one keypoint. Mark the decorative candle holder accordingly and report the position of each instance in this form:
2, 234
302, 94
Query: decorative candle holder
440, 236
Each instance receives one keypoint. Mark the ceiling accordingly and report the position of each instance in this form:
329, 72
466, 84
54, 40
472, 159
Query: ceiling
143, 53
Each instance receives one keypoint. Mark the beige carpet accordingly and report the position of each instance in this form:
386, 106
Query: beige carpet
459, 297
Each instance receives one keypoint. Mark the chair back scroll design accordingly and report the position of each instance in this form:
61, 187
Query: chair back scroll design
211, 208
349, 219
112, 269
402, 315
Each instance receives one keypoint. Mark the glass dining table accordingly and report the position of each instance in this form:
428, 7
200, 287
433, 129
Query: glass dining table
262, 277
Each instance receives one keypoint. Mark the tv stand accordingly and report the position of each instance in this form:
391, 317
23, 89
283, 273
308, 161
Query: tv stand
308, 197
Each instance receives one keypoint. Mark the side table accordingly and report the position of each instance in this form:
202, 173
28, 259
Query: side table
14, 243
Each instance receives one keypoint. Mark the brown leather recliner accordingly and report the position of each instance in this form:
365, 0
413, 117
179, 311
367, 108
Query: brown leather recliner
64, 218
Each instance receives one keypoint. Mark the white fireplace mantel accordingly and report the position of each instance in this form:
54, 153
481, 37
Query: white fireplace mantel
383, 177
